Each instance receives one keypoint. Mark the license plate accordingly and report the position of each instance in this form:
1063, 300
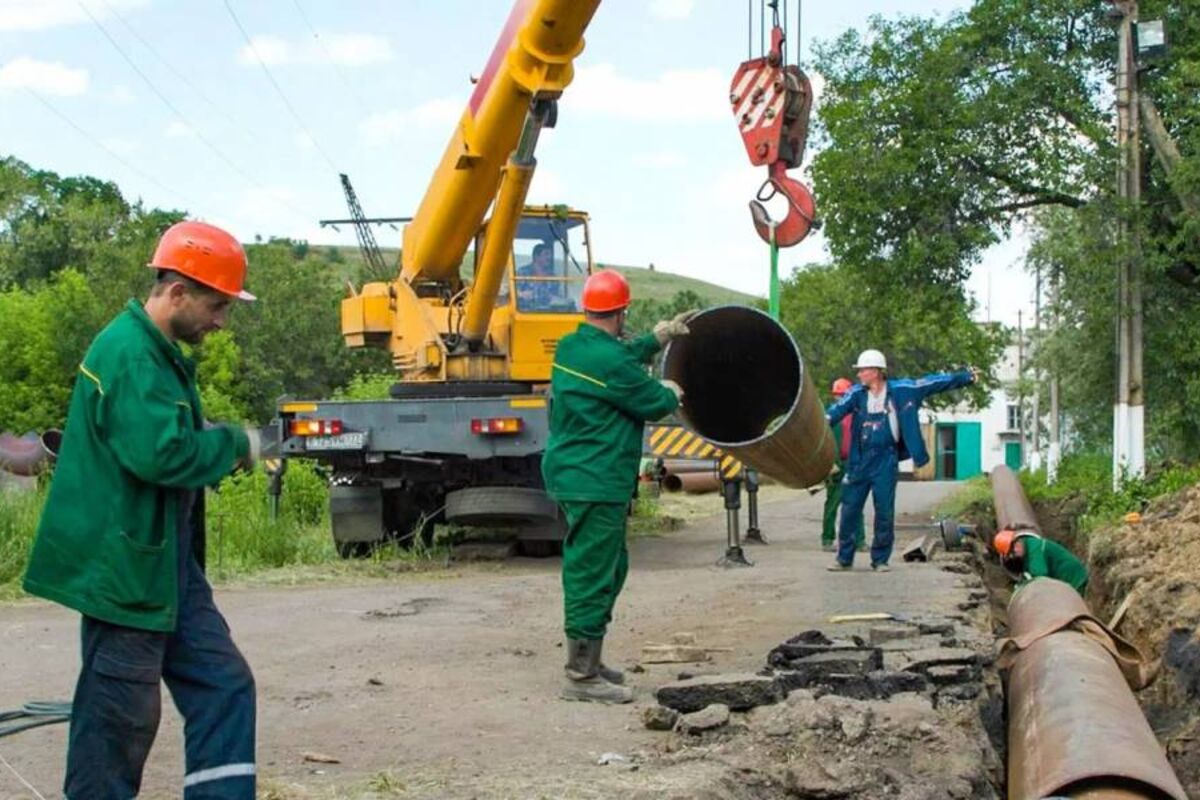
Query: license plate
355, 440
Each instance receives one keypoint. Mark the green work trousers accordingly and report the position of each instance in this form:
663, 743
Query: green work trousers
833, 501
595, 563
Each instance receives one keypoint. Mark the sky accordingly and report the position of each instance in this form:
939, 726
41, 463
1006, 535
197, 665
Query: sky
170, 99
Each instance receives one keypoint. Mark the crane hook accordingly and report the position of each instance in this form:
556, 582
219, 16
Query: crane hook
801, 216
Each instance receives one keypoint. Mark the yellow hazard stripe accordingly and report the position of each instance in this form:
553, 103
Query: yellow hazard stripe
581, 376
667, 442
527, 402
694, 446
659, 432
681, 443
92, 376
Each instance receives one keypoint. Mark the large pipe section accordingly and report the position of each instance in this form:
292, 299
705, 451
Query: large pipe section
747, 391
1074, 727
1013, 511
692, 482
28, 454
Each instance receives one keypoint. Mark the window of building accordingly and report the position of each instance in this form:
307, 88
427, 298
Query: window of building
1014, 417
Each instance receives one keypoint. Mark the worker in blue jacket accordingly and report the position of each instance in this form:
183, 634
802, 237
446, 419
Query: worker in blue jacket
885, 430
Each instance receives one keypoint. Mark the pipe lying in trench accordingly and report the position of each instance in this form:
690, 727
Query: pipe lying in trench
29, 454
747, 391
1013, 511
1074, 728
691, 482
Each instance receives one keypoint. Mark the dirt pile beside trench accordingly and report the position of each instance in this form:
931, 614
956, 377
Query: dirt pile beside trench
1155, 563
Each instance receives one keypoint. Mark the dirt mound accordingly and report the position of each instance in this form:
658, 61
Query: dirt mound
1154, 566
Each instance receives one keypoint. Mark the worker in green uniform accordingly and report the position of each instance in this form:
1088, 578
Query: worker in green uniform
601, 396
833, 483
1030, 556
121, 538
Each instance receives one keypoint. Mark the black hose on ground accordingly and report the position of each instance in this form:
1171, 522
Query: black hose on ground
34, 715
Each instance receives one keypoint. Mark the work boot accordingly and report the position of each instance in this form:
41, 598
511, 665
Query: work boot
583, 680
609, 674
838, 566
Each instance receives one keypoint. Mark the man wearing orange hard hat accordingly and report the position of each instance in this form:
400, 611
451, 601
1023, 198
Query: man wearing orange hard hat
601, 396
121, 538
1028, 555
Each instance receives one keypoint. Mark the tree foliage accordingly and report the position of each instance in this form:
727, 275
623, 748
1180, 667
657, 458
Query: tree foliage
73, 252
940, 137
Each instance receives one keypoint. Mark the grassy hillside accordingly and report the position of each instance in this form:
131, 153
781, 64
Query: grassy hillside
647, 284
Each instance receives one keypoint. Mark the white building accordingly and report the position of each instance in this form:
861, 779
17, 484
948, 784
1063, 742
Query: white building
963, 443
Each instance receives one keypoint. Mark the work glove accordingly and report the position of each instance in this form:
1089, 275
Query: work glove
255, 453
669, 329
675, 388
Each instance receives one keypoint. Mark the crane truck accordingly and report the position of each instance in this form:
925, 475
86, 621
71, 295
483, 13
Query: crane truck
461, 437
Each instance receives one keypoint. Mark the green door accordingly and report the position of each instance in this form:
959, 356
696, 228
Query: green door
969, 451
1012, 455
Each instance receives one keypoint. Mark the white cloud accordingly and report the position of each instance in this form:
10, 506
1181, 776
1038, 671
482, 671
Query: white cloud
305, 142
672, 9
47, 77
177, 129
122, 147
659, 159
36, 15
347, 49
388, 126
682, 95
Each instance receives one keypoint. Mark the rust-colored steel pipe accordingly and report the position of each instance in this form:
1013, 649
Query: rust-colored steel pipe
28, 454
692, 482
1013, 511
678, 466
1074, 728
747, 391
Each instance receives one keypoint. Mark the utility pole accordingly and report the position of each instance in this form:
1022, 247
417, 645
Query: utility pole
1055, 450
1021, 384
1035, 453
1129, 459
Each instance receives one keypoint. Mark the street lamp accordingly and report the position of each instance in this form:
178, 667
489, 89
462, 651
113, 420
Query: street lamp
1151, 40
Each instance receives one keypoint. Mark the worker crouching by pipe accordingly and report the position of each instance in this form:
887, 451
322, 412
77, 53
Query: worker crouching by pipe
1027, 555
121, 539
601, 398
885, 430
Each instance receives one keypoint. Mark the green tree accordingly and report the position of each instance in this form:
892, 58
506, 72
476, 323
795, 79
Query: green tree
832, 316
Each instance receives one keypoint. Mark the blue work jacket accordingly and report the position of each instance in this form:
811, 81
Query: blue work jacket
905, 397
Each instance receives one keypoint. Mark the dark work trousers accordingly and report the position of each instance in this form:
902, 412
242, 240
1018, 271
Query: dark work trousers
873, 471
117, 702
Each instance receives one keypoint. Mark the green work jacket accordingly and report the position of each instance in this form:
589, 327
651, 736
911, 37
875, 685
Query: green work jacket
106, 545
1048, 559
600, 398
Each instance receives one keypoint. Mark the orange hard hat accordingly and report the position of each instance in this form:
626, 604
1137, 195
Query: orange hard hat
206, 254
841, 386
605, 291
1003, 542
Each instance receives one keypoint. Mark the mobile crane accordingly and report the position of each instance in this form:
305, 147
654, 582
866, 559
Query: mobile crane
461, 438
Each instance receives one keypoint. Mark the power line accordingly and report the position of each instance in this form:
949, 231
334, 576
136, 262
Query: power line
183, 78
278, 89
113, 153
174, 110
362, 106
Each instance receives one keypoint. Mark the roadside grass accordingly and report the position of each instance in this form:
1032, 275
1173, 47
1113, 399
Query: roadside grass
19, 512
1085, 480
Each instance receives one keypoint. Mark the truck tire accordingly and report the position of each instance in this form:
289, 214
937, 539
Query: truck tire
356, 513
500, 505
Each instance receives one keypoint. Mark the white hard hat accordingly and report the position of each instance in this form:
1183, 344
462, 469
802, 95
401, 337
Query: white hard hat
871, 358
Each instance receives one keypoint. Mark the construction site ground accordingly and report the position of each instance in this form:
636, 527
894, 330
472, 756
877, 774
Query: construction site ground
444, 685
